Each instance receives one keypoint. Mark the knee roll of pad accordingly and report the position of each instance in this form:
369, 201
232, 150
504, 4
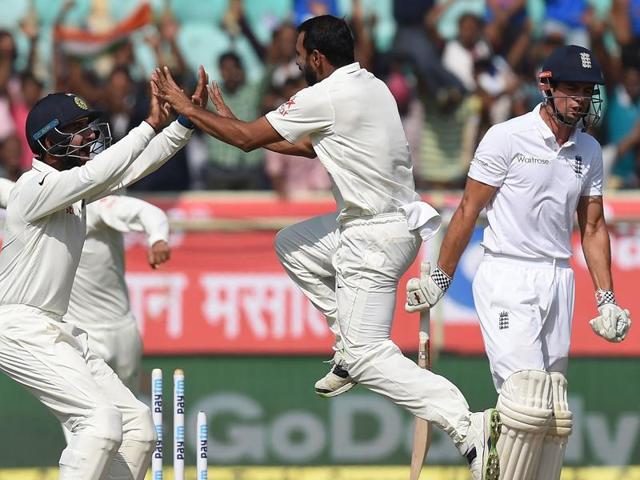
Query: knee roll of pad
562, 421
525, 407
555, 443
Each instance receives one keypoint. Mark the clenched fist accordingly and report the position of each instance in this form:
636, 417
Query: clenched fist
612, 324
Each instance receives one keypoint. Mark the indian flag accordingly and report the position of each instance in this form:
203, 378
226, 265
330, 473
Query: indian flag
80, 42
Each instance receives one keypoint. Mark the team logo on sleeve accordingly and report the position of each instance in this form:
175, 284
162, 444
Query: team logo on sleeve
286, 106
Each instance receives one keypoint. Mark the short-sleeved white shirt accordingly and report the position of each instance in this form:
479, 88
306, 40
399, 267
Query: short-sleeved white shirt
355, 128
539, 185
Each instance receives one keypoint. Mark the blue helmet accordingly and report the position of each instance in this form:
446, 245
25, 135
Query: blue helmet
48, 119
572, 64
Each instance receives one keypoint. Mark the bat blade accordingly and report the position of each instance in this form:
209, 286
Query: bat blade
422, 432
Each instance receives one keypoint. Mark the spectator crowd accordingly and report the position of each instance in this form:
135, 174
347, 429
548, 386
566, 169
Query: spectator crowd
455, 67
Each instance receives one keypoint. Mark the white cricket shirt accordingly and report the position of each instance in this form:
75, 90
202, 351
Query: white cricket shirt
539, 185
99, 297
355, 129
45, 223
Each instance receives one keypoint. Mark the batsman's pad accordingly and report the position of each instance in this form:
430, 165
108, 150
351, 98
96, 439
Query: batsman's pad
555, 443
525, 406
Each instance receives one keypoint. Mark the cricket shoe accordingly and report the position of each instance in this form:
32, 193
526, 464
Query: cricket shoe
482, 440
334, 383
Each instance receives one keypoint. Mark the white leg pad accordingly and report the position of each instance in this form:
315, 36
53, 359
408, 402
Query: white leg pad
525, 406
555, 443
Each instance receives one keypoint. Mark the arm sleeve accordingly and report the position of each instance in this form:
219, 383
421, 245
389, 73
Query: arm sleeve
5, 189
164, 146
592, 187
491, 161
51, 191
128, 214
307, 112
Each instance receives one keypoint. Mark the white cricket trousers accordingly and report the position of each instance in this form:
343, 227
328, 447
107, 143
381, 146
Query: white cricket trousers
350, 273
525, 309
119, 344
112, 432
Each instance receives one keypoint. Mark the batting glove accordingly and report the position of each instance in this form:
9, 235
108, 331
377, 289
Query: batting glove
613, 323
424, 292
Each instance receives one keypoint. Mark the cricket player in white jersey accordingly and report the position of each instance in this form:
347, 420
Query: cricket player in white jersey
533, 173
99, 302
112, 432
349, 263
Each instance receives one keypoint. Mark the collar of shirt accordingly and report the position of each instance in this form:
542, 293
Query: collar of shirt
345, 70
40, 166
546, 132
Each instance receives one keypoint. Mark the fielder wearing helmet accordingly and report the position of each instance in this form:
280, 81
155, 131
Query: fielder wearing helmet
569, 82
62, 127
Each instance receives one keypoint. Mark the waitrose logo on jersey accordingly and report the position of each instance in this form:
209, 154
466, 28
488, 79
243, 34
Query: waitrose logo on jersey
522, 158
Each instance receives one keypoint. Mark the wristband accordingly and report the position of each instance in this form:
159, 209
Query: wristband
441, 279
605, 296
185, 122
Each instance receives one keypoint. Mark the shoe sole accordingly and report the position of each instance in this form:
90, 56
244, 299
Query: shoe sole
332, 393
492, 461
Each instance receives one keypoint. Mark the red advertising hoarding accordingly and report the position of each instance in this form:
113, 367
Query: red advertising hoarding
224, 292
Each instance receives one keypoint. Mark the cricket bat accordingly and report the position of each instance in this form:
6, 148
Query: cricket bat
422, 433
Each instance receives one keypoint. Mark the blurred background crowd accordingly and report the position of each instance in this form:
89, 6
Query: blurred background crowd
455, 68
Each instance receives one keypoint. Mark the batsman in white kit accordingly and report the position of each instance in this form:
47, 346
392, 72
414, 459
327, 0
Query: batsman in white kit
349, 263
112, 432
99, 302
533, 173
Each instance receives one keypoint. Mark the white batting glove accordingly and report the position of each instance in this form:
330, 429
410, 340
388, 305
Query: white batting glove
613, 323
424, 292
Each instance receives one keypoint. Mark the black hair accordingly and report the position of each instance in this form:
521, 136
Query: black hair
331, 36
230, 56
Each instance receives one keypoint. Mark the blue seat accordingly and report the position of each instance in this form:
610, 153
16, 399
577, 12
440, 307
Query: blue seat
265, 15
120, 9
448, 23
202, 44
203, 11
12, 13
48, 10
385, 27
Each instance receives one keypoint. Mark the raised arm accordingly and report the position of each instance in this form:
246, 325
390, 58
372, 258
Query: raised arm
51, 190
244, 135
159, 150
164, 146
303, 148
128, 214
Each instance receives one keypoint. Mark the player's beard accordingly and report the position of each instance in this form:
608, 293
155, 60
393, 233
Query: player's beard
310, 76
